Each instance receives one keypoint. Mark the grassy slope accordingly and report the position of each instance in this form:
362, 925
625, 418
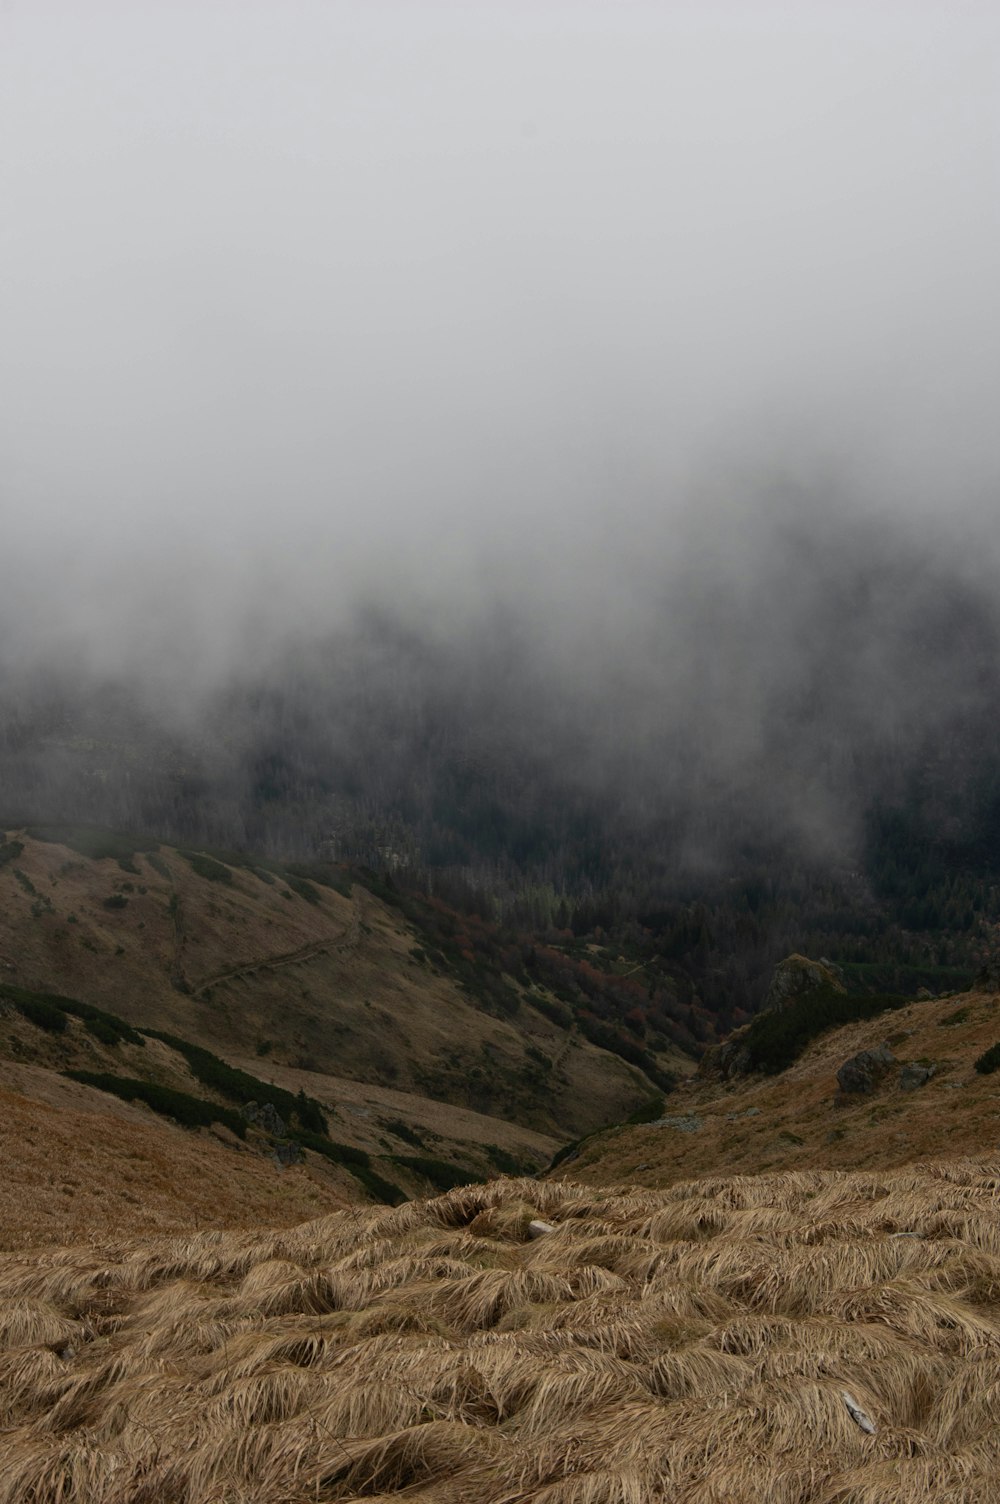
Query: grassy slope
388, 1127
697, 1344
358, 1004
794, 1120
78, 1164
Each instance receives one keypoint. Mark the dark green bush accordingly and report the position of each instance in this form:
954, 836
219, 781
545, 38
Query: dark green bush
10, 851
106, 1032
556, 1013
116, 901
649, 1111
341, 1154
43, 1015
113, 1029
325, 873
612, 1039
776, 1040
989, 1061
303, 889
506, 1163
565, 1152
189, 1111
94, 842
405, 1132
104, 1026
208, 867
379, 1188
442, 1176
240, 1086
357, 1161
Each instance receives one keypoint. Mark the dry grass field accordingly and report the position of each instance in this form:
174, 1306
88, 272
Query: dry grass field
813, 1337
82, 1165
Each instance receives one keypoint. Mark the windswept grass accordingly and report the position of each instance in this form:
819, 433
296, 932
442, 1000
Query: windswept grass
694, 1344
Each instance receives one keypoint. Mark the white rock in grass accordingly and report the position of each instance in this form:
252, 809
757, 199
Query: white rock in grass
539, 1229
859, 1416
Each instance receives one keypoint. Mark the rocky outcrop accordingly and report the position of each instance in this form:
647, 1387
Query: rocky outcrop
796, 976
866, 1070
288, 1153
913, 1076
266, 1117
686, 1122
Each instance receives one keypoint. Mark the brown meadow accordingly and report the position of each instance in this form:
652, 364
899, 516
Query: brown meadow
696, 1344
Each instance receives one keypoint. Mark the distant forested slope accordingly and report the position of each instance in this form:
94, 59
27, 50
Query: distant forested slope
799, 757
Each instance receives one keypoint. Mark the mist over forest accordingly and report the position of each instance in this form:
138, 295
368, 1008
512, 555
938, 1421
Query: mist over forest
549, 457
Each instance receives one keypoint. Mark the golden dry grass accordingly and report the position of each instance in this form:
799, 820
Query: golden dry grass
691, 1345
71, 1172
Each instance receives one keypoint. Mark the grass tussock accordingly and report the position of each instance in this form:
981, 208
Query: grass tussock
694, 1344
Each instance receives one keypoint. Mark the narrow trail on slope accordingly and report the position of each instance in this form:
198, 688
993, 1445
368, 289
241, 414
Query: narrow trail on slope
342, 943
564, 1049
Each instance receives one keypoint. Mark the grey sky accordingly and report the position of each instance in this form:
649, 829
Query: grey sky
299, 293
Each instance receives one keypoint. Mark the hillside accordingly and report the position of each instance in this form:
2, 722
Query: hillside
123, 962
79, 1164
798, 1118
249, 958
817, 1337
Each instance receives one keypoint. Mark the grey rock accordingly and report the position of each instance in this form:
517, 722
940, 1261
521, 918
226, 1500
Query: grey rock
865, 1070
733, 1057
266, 1117
287, 1153
913, 1076
794, 977
689, 1123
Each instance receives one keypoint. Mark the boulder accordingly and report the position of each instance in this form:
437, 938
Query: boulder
266, 1117
797, 975
866, 1070
730, 1058
913, 1076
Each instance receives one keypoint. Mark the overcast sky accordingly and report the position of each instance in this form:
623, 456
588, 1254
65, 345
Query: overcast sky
298, 294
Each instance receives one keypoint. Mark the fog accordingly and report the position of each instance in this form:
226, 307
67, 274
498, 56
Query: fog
632, 331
